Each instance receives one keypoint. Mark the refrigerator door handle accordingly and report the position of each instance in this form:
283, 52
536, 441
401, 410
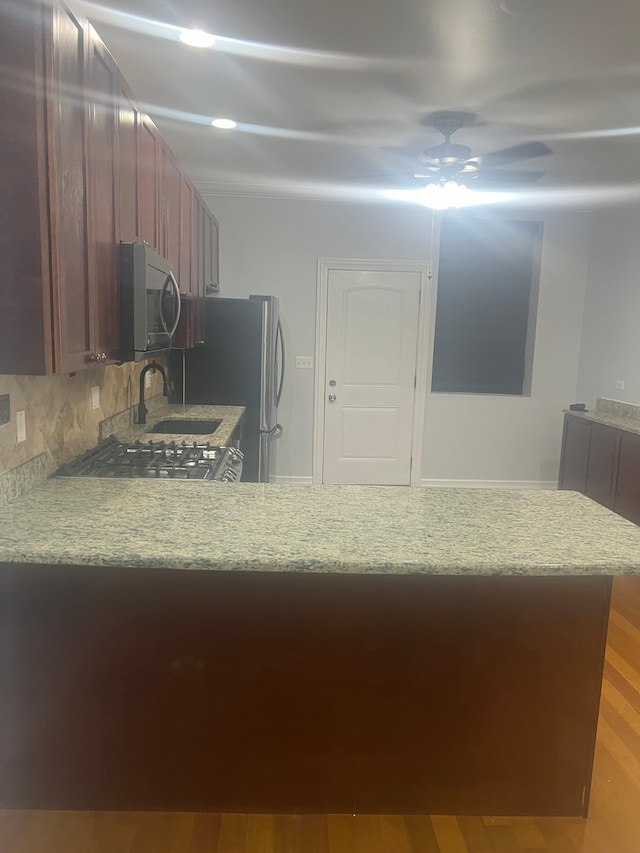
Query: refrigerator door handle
280, 337
264, 368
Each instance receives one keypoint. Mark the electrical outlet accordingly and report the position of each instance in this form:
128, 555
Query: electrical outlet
147, 380
304, 362
619, 385
95, 396
21, 426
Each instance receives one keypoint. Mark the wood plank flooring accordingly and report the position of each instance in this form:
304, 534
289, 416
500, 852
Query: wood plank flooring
613, 825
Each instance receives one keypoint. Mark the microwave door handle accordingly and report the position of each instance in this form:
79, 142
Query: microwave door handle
170, 281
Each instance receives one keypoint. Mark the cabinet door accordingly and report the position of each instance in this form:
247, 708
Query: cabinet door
170, 210
603, 447
128, 184
187, 278
575, 453
68, 193
211, 263
626, 499
25, 307
148, 182
102, 100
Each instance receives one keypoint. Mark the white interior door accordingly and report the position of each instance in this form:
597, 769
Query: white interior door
370, 369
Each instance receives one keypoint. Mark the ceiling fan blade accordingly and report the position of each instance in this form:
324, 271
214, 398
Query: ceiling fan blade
506, 177
524, 151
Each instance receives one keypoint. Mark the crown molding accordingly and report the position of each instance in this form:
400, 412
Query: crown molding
290, 191
342, 193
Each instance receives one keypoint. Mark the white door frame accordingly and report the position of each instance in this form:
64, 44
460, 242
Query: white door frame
422, 360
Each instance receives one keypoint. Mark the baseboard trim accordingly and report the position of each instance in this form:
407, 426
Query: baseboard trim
490, 484
283, 478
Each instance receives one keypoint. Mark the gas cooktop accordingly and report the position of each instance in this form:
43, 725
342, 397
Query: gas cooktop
157, 460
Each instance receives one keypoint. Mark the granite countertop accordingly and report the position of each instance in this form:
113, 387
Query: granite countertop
291, 527
613, 413
608, 419
162, 410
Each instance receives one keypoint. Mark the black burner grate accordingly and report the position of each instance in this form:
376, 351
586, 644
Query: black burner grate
159, 460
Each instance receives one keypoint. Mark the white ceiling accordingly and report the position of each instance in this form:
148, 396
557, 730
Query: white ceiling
332, 93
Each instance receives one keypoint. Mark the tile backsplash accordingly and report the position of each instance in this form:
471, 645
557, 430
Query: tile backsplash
59, 419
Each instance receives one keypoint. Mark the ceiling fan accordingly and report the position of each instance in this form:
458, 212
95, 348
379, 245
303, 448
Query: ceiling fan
449, 161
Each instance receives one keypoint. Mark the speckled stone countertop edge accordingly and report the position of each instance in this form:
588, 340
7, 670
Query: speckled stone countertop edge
316, 529
616, 421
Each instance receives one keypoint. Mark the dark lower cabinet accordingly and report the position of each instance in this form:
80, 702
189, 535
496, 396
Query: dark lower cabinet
626, 500
575, 454
603, 463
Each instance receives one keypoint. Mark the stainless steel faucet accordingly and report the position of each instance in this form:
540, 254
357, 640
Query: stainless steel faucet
142, 409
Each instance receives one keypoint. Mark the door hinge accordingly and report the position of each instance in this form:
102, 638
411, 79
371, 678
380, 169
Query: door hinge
429, 274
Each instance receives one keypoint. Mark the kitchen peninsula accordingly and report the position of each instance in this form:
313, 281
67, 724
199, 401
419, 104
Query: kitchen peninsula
283, 648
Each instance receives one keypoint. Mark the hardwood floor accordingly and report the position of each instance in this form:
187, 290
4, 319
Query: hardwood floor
613, 825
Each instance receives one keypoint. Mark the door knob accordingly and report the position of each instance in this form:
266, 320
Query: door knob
332, 398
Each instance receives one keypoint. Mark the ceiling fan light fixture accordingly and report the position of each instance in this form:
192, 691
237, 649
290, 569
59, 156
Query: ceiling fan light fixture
224, 123
197, 38
443, 196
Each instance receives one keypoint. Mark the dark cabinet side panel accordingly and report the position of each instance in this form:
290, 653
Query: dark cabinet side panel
575, 453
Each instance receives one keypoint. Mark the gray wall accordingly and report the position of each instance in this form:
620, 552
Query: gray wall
610, 341
273, 245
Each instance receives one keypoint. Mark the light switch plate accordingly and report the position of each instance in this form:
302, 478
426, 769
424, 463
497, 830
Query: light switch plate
21, 426
95, 396
304, 362
619, 385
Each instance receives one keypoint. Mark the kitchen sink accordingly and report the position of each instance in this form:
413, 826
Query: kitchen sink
185, 427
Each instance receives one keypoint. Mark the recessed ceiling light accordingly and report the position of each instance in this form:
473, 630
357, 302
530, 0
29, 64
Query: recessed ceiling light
224, 123
197, 38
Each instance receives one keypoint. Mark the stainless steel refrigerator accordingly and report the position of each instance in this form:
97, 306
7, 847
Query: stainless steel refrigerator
240, 364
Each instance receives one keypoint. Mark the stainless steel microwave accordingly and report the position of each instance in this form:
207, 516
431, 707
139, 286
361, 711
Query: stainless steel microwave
149, 302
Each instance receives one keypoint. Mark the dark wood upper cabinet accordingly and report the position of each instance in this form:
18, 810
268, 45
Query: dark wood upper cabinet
211, 261
82, 168
149, 142
26, 344
103, 196
171, 180
187, 277
128, 124
66, 50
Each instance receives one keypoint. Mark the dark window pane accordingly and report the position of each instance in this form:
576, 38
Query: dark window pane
485, 279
